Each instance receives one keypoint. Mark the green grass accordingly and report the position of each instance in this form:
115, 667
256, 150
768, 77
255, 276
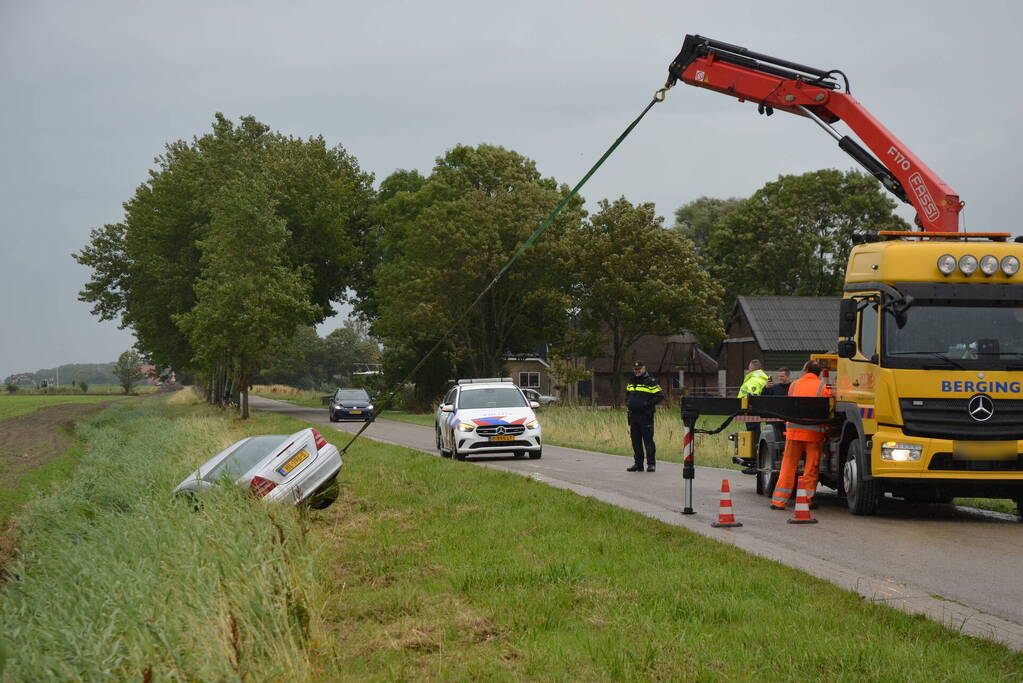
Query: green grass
40, 479
580, 590
402, 578
607, 431
13, 405
424, 419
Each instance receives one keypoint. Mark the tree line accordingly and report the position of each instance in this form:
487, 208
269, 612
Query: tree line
242, 239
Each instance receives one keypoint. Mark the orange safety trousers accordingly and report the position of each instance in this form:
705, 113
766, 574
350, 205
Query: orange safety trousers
794, 452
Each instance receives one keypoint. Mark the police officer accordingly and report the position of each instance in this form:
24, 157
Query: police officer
642, 395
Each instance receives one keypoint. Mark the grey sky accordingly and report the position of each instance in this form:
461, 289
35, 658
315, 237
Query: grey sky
90, 92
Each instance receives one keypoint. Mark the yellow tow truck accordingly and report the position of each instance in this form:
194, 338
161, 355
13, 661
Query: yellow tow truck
928, 374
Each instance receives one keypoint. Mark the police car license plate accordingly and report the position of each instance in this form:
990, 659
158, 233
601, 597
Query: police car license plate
293, 462
503, 437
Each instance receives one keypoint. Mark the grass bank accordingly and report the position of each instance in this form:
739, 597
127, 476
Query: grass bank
116, 580
402, 578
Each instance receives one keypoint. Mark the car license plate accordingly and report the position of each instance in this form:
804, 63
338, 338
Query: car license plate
505, 437
293, 462
355, 412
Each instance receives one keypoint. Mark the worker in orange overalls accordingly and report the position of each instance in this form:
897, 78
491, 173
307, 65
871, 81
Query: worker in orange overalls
802, 440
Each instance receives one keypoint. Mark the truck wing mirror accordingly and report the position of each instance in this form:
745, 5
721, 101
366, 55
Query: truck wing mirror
846, 348
847, 318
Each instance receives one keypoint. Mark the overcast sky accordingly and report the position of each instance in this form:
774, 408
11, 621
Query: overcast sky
91, 92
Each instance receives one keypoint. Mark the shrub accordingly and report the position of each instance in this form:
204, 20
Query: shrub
11, 388
84, 386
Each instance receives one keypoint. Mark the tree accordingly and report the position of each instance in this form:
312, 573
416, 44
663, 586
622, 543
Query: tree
793, 236
444, 241
127, 370
145, 269
697, 219
633, 278
249, 298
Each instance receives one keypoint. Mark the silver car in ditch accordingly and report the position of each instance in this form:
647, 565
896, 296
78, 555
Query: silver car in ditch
299, 468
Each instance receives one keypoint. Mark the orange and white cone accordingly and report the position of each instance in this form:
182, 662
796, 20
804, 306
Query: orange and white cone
802, 514
725, 516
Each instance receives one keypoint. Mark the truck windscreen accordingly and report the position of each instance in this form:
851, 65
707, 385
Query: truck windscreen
974, 335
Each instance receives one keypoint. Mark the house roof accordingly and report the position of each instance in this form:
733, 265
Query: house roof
792, 323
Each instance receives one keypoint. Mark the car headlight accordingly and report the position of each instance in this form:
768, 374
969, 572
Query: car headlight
465, 427
369, 407
533, 424
968, 264
901, 452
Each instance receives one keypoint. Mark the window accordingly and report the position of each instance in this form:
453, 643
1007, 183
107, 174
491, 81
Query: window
868, 332
529, 379
491, 397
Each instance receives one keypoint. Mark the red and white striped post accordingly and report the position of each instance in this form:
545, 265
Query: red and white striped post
688, 470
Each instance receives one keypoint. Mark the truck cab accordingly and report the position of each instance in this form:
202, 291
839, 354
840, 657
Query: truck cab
930, 370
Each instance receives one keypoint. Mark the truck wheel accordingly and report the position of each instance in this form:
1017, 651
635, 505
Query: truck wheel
767, 478
861, 495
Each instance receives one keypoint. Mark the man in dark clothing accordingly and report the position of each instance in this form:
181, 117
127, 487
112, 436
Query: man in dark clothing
781, 387
642, 395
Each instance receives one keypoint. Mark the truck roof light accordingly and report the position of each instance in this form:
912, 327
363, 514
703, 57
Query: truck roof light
989, 264
1010, 265
968, 264
946, 264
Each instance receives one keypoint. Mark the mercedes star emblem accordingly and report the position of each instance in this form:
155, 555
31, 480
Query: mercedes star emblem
500, 430
981, 408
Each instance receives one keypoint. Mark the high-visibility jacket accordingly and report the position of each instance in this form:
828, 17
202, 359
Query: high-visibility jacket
642, 394
807, 385
753, 383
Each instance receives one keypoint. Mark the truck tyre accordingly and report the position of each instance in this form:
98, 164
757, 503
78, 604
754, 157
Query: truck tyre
767, 478
861, 495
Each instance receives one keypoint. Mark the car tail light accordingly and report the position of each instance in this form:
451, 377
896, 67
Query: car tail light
320, 441
261, 486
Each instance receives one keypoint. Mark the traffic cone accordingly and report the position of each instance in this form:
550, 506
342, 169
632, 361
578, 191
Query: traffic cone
802, 514
725, 516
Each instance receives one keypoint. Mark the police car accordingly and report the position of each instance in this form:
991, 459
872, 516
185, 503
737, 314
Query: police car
486, 416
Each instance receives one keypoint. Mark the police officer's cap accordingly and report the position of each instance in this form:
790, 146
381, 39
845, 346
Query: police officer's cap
638, 364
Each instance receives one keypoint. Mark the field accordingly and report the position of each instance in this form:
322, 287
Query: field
12, 405
402, 579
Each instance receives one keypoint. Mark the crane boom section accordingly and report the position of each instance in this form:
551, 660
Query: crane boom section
777, 84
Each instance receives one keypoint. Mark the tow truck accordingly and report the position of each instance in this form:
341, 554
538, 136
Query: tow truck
928, 374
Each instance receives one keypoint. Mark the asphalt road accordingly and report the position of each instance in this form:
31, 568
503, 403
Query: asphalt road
957, 565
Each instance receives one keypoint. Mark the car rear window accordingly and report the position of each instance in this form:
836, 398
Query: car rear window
351, 395
491, 397
245, 457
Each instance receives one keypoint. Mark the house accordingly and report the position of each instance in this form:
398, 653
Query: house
531, 370
782, 331
673, 360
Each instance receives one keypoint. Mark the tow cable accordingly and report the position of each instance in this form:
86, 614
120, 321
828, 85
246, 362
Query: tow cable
658, 97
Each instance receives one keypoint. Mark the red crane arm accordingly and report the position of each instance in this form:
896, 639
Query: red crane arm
813, 93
